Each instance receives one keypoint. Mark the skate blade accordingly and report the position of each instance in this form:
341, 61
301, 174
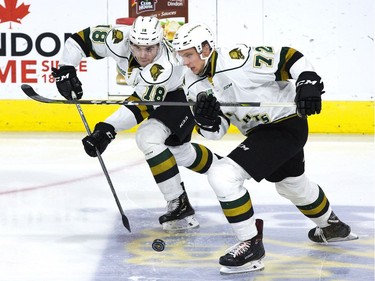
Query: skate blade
350, 237
248, 267
181, 225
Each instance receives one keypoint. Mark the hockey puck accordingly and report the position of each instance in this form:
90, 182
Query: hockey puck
158, 245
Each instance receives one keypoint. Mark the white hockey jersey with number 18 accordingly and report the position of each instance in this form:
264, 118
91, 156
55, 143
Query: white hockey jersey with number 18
150, 83
250, 74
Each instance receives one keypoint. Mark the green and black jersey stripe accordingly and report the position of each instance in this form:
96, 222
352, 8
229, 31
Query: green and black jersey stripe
141, 112
288, 56
83, 39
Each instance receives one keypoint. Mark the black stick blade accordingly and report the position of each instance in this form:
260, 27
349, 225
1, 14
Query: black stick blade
125, 222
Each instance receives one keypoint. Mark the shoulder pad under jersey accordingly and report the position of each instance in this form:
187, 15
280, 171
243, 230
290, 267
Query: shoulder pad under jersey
117, 40
234, 56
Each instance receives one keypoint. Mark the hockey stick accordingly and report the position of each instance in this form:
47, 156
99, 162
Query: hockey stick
125, 220
30, 92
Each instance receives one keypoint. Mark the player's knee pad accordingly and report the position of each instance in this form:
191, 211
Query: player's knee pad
226, 178
297, 189
151, 133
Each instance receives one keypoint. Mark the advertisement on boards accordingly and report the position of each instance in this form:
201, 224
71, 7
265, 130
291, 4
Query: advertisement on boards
172, 13
32, 36
33, 32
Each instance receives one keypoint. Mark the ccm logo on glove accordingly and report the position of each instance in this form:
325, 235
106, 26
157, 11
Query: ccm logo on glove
309, 89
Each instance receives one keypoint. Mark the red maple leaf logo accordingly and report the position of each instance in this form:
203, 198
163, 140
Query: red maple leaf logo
10, 12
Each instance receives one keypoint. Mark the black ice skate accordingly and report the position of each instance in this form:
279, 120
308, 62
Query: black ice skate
245, 256
180, 214
335, 232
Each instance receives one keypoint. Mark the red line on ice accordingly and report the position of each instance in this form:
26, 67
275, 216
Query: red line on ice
67, 181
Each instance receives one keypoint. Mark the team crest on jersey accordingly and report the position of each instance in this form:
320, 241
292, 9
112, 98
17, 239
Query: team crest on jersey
236, 54
117, 36
155, 71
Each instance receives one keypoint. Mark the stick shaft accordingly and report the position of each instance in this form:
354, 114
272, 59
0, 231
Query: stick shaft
105, 171
29, 91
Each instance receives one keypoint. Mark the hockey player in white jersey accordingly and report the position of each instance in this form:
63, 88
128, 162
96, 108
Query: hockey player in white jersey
147, 63
275, 136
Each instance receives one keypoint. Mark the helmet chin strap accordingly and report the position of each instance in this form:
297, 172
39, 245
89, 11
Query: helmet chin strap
159, 51
205, 59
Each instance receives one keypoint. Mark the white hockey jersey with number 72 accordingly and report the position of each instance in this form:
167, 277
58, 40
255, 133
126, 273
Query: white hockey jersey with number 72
251, 74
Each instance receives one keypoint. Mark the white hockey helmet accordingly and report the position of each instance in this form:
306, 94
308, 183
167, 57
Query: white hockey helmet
193, 35
146, 31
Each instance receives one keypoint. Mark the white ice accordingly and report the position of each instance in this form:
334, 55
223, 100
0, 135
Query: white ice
57, 212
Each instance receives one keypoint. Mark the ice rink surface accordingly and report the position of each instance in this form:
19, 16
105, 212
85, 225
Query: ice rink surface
59, 220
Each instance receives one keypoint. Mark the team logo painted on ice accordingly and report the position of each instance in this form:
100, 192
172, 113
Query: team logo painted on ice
289, 253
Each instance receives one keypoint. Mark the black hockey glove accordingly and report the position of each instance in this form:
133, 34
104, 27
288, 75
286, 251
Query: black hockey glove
67, 81
309, 88
206, 112
103, 134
